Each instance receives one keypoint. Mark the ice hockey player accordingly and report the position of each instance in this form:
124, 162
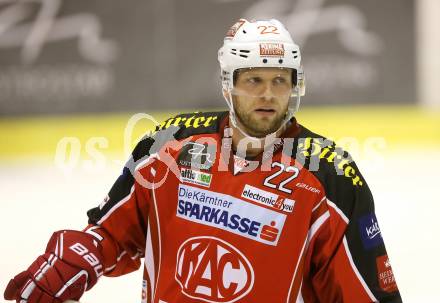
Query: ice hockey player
245, 205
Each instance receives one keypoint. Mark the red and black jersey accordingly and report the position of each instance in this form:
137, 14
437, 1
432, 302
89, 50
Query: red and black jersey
295, 224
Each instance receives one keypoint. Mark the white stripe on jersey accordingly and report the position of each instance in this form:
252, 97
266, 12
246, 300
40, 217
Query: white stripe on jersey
110, 268
91, 231
146, 161
317, 205
159, 240
116, 206
316, 225
350, 258
296, 269
61, 245
300, 298
355, 270
149, 261
333, 205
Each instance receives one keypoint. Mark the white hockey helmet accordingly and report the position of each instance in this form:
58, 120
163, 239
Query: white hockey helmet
262, 43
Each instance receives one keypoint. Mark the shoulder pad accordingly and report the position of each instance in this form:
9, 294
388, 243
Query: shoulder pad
334, 168
321, 156
178, 128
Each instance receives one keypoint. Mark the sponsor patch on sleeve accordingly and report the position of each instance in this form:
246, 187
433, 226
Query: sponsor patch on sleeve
385, 274
370, 231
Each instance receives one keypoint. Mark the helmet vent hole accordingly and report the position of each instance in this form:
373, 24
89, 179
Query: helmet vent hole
295, 57
280, 61
244, 32
244, 56
294, 52
245, 51
264, 60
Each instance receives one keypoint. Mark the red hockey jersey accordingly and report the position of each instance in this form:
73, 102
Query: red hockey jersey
296, 224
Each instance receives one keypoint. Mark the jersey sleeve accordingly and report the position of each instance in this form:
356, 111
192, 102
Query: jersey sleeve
346, 259
120, 222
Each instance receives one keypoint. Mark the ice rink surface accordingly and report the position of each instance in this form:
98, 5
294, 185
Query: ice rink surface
40, 198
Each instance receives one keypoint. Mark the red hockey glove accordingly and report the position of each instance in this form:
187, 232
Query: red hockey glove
71, 265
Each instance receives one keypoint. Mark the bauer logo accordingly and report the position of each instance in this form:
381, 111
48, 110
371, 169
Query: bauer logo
370, 231
195, 177
230, 214
271, 49
385, 274
268, 199
212, 270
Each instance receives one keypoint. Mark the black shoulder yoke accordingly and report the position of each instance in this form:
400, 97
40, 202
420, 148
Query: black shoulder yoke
334, 168
194, 123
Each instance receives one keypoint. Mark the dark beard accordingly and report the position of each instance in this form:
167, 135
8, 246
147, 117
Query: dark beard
256, 130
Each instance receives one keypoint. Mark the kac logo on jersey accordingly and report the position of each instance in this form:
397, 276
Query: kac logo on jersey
212, 270
370, 231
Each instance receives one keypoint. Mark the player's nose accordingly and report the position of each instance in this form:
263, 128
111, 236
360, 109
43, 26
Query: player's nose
268, 92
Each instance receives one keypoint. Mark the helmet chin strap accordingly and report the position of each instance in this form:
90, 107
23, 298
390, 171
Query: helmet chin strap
233, 117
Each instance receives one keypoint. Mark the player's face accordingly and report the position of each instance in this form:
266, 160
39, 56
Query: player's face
261, 97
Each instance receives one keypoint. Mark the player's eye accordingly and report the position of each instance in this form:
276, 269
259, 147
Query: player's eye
254, 80
279, 80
